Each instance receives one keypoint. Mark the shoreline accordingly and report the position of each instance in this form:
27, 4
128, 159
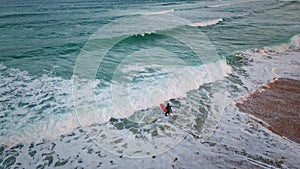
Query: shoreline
276, 103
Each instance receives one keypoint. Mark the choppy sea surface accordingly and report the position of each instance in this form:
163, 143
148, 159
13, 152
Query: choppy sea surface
81, 82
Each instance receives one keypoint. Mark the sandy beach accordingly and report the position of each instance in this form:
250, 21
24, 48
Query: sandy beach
278, 104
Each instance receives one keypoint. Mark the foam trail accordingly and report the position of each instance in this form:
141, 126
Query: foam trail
219, 5
159, 12
206, 23
230, 4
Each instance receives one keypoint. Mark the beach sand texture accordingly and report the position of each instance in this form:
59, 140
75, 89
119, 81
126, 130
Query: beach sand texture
278, 104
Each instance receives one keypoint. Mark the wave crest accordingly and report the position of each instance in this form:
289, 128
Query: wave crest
159, 12
207, 23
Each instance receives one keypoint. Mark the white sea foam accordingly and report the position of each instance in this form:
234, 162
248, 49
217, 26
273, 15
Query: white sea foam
266, 64
230, 4
139, 25
206, 23
159, 12
295, 42
263, 148
38, 108
147, 33
219, 5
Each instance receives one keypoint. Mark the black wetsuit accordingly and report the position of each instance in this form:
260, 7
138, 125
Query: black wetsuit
169, 110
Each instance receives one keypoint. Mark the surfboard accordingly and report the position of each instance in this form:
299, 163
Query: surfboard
162, 106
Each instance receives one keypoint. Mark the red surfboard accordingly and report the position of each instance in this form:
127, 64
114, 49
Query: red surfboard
162, 106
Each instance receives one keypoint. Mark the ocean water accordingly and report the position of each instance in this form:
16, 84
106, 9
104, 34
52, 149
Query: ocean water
83, 74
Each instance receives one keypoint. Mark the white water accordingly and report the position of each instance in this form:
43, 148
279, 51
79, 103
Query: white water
207, 23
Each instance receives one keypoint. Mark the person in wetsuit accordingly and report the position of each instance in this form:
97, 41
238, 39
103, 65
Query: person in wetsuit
169, 109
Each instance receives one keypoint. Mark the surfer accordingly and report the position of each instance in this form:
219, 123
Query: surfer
169, 109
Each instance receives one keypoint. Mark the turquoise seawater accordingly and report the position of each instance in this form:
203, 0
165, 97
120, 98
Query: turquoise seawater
41, 42
41, 37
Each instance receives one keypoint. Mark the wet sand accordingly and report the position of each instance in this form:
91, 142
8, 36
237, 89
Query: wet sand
278, 104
